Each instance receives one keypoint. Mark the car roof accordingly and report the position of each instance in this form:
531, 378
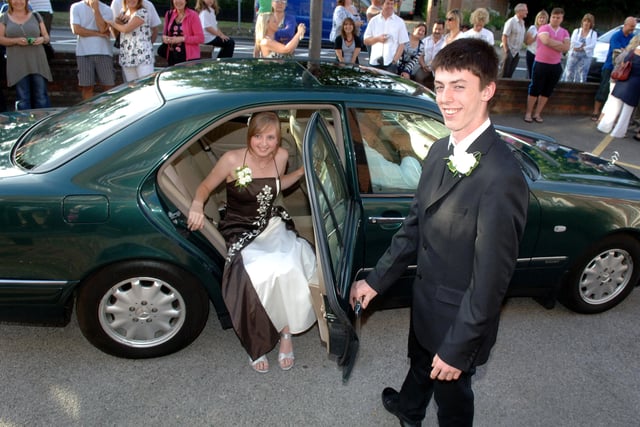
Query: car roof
255, 75
607, 36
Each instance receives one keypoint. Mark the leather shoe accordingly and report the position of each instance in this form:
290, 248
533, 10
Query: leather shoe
390, 399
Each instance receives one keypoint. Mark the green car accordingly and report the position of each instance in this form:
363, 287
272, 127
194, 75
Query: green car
94, 198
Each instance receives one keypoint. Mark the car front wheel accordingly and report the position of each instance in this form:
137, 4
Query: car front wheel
604, 276
141, 309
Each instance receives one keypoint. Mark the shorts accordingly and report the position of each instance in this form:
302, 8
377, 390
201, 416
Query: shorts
544, 78
90, 66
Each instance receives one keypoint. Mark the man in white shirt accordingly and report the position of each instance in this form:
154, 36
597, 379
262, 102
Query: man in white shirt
386, 34
94, 54
154, 19
432, 45
512, 39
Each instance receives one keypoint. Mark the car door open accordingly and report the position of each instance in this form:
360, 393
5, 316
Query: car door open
336, 218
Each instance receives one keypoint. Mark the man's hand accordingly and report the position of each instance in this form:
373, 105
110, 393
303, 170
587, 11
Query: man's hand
361, 291
442, 371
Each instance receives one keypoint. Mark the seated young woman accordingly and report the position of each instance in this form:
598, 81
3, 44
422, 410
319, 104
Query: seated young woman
268, 266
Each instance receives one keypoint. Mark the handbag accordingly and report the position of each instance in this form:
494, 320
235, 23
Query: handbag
621, 71
163, 49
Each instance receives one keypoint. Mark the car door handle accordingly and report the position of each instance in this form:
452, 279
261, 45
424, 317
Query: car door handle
387, 222
386, 219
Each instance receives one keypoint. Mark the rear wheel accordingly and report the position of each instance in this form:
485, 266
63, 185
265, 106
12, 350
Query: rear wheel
603, 277
142, 309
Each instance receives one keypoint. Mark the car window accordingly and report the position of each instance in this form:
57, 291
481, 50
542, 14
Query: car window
63, 136
390, 146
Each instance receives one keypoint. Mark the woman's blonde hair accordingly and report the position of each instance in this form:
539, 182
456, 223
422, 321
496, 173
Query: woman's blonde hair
261, 121
480, 15
262, 23
201, 5
539, 14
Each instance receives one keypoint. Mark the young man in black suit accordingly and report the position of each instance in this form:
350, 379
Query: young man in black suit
463, 231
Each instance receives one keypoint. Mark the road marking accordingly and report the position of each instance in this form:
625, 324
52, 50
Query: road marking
603, 144
628, 165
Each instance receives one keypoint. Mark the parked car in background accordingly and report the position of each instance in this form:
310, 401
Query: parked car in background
600, 53
94, 199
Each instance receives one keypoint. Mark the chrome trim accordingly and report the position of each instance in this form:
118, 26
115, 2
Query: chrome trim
34, 282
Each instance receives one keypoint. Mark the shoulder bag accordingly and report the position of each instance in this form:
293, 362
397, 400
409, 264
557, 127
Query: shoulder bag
163, 49
621, 71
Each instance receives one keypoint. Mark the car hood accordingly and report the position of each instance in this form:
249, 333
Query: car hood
12, 125
561, 163
555, 162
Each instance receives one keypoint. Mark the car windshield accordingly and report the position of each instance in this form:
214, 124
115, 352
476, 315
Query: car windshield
63, 136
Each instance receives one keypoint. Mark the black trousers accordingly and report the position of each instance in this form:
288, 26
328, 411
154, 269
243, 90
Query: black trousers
510, 64
226, 46
454, 398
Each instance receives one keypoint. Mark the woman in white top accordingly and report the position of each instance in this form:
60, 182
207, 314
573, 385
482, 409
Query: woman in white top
583, 42
213, 36
452, 25
530, 37
479, 18
136, 50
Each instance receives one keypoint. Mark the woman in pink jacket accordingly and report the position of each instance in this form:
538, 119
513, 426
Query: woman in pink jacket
182, 33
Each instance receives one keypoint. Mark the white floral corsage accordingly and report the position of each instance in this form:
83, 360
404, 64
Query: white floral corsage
243, 176
463, 163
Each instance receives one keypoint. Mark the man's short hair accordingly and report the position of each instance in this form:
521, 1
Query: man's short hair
474, 55
519, 7
557, 11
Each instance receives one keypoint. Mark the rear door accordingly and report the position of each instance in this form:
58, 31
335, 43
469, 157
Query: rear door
336, 217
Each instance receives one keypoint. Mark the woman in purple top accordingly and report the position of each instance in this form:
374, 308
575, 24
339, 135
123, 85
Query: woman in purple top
552, 41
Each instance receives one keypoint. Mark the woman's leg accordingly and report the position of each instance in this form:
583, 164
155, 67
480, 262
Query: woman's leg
285, 353
144, 70
130, 73
620, 131
610, 112
226, 47
39, 95
23, 94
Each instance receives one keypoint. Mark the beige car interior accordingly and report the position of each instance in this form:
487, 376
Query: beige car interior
182, 173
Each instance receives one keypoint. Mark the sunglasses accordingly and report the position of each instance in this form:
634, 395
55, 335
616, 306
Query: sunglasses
451, 19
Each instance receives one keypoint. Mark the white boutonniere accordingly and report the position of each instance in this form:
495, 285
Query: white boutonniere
463, 163
243, 176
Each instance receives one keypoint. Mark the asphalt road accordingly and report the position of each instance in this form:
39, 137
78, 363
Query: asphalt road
548, 368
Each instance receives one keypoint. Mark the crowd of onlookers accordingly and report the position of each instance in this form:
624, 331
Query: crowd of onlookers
135, 25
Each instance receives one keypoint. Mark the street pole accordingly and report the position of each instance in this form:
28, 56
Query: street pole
315, 32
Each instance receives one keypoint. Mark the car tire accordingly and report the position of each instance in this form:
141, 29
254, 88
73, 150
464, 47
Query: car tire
604, 276
141, 309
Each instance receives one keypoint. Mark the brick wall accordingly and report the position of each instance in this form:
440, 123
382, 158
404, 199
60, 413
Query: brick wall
511, 96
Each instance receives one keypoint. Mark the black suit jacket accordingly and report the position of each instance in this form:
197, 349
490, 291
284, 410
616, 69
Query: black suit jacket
464, 234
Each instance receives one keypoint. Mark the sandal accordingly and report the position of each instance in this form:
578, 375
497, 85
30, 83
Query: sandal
528, 119
595, 117
254, 364
538, 119
285, 356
